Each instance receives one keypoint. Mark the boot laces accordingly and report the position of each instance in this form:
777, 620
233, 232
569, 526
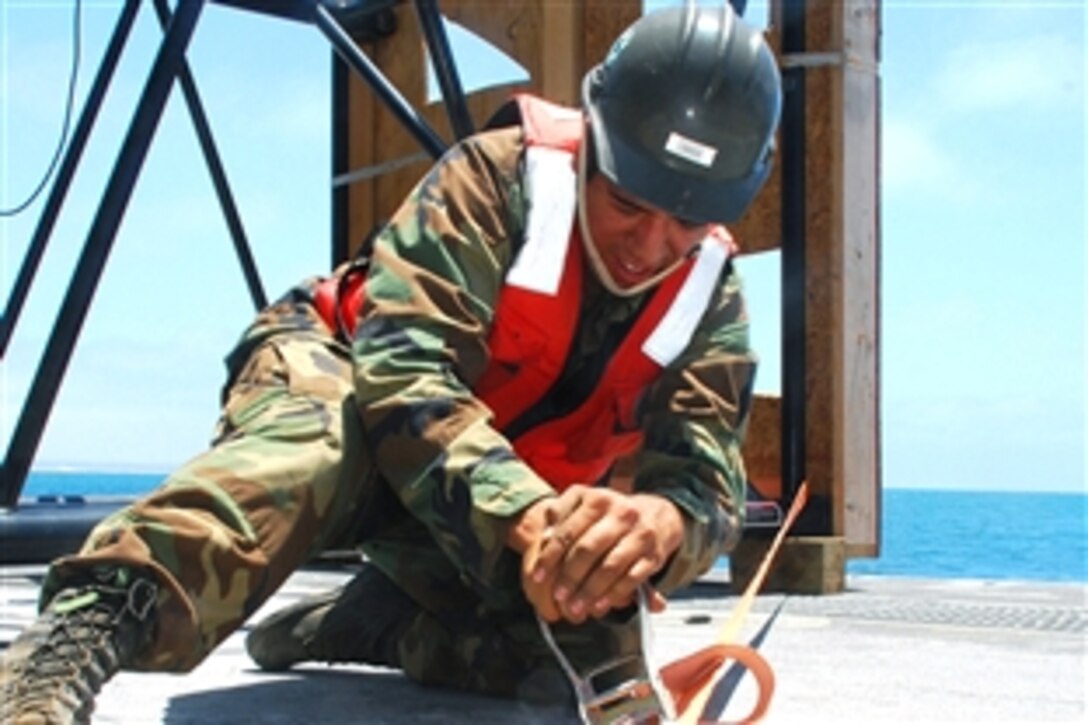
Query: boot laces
86, 636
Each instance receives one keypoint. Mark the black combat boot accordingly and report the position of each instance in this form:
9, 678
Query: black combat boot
362, 621
53, 670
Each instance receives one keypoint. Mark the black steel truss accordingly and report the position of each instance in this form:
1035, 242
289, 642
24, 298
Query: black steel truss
344, 23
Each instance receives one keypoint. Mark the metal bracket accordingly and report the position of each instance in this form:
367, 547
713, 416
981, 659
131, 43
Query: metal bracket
828, 58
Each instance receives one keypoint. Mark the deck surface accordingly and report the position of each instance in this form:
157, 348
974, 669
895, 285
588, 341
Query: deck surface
887, 650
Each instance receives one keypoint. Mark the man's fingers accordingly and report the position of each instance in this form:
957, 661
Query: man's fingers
565, 526
542, 560
595, 561
656, 602
613, 583
608, 563
594, 551
539, 593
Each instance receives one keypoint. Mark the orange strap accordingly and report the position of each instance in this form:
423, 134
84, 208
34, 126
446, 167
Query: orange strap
692, 679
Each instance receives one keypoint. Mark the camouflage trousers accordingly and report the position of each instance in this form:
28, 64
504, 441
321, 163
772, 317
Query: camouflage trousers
288, 475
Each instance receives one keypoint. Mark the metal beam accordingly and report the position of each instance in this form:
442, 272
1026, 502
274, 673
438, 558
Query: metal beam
216, 170
794, 363
445, 69
77, 301
40, 240
361, 64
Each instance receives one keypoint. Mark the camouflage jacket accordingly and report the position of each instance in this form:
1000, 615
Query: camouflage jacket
433, 282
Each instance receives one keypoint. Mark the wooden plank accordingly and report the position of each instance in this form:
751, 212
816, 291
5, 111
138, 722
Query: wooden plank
561, 53
760, 229
602, 23
402, 57
843, 284
509, 26
762, 450
859, 349
804, 565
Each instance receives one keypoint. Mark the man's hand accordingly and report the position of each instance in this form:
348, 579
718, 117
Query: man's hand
526, 536
587, 551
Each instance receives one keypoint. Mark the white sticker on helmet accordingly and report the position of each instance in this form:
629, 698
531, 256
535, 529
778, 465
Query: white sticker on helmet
690, 150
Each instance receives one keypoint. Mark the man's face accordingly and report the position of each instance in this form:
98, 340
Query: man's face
635, 241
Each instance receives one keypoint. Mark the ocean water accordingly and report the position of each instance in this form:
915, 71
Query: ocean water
926, 533
982, 535
82, 483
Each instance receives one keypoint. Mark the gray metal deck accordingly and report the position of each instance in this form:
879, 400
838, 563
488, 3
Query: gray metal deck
887, 650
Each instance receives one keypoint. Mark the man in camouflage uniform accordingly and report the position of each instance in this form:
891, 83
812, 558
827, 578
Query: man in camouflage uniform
369, 432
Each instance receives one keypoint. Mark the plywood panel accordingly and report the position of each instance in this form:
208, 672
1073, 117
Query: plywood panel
762, 448
760, 229
360, 204
402, 58
547, 38
603, 22
561, 54
509, 26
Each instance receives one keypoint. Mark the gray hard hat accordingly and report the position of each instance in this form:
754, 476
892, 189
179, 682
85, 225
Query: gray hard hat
683, 111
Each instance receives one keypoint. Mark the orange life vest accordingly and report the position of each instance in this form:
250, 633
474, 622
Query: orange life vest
536, 318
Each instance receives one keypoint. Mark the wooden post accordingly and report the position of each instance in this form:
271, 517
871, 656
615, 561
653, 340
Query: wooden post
842, 279
842, 291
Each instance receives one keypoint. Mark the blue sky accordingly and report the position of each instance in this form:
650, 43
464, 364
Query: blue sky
983, 234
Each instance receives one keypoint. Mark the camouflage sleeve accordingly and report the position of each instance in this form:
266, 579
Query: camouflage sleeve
433, 283
695, 417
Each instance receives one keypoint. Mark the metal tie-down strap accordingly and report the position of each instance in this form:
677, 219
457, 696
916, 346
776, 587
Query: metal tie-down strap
637, 699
